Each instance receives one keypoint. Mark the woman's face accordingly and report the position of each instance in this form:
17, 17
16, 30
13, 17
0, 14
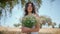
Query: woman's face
29, 8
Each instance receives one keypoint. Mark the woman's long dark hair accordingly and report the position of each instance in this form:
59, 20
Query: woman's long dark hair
33, 8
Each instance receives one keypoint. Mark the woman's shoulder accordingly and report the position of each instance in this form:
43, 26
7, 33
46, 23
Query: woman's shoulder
36, 15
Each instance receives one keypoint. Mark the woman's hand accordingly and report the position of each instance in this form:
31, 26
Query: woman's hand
25, 29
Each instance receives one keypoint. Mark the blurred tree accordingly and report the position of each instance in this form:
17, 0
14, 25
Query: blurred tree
3, 4
53, 25
44, 20
6, 6
59, 25
17, 25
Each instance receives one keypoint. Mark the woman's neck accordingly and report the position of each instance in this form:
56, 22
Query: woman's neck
29, 13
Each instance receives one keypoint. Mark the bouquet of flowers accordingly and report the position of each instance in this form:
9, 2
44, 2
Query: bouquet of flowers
29, 21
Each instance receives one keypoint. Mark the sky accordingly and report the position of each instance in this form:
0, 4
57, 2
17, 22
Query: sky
51, 9
48, 8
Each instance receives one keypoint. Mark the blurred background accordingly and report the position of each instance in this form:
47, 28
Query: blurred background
12, 11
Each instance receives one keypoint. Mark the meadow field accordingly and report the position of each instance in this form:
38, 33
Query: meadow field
7, 30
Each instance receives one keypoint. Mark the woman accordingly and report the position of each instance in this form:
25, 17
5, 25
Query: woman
30, 9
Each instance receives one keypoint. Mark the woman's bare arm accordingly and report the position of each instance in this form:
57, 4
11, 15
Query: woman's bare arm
36, 29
